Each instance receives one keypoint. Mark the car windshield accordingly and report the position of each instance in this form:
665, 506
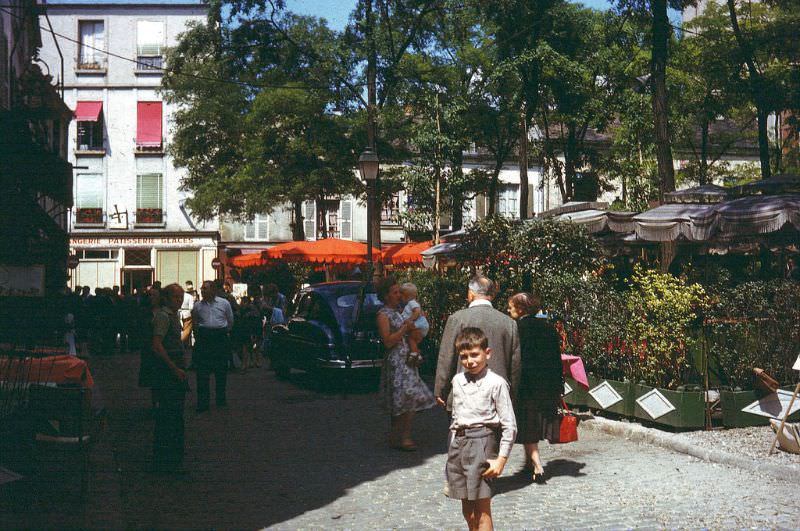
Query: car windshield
345, 307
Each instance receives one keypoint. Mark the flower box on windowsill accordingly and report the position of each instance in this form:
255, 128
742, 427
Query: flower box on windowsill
89, 216
149, 150
91, 68
90, 152
149, 216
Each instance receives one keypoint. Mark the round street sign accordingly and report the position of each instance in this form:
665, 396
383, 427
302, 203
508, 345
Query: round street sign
72, 261
215, 263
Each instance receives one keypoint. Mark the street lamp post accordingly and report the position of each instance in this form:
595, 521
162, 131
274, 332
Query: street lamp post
368, 167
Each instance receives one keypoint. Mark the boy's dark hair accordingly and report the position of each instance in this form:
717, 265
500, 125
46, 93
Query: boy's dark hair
471, 337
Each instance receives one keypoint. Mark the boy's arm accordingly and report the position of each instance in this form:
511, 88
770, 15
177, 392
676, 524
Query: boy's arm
508, 423
415, 313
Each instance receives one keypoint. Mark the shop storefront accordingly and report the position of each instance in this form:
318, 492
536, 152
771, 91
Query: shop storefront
137, 261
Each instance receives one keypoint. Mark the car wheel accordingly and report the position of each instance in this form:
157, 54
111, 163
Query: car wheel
281, 371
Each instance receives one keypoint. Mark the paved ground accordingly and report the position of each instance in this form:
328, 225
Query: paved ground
285, 456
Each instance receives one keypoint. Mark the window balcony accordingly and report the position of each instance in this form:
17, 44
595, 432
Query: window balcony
89, 216
149, 216
149, 64
91, 65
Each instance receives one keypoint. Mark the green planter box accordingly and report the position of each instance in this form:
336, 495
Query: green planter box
734, 417
578, 396
624, 389
689, 406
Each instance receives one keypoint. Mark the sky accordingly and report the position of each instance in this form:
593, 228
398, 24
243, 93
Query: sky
337, 11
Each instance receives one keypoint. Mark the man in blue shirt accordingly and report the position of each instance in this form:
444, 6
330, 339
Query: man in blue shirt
212, 321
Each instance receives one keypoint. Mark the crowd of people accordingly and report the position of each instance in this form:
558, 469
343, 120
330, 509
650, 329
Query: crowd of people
499, 377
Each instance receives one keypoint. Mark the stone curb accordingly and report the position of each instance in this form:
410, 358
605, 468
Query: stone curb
638, 433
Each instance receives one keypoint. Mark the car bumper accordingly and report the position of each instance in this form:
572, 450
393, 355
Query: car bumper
355, 364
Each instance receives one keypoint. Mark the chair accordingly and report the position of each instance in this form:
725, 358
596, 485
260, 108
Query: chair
788, 438
62, 417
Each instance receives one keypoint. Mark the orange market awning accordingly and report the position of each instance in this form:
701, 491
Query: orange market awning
247, 260
330, 251
405, 253
276, 252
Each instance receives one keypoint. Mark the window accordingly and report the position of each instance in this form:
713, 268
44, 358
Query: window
89, 116
89, 199
149, 198
390, 213
148, 125
149, 45
137, 257
508, 200
97, 254
91, 54
258, 229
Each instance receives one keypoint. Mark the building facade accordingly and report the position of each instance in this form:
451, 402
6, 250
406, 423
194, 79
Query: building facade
346, 217
34, 174
129, 226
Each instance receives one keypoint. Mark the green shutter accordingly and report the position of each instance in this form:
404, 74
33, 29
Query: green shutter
149, 190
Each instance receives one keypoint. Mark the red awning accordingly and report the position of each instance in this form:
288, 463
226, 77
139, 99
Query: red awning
88, 111
148, 124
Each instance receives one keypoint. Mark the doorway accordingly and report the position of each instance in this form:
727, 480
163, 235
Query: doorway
137, 279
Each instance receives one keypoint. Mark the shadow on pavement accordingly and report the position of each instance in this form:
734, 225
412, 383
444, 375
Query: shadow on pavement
280, 449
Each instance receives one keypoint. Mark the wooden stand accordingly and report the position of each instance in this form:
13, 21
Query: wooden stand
783, 422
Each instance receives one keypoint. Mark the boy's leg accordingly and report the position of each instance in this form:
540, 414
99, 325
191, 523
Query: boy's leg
414, 339
482, 514
468, 510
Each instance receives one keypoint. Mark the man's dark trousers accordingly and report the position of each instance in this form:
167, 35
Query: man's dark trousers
211, 352
168, 446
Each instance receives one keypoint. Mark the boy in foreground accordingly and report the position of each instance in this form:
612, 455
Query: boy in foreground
481, 410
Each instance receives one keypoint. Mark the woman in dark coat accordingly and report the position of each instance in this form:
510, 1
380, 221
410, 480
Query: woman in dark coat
542, 381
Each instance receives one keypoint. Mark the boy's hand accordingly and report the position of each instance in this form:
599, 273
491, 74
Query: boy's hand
495, 467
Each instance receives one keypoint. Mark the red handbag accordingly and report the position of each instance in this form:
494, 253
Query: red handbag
568, 428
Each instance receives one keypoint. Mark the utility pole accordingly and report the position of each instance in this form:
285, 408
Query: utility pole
438, 213
372, 130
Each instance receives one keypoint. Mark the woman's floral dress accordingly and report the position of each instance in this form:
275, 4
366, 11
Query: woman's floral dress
402, 388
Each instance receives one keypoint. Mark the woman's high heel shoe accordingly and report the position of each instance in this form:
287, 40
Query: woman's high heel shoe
538, 477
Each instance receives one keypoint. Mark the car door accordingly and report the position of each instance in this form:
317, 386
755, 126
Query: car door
308, 336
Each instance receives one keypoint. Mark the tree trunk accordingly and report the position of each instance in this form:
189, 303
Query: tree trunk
298, 232
569, 164
756, 82
661, 30
457, 212
703, 176
492, 199
523, 166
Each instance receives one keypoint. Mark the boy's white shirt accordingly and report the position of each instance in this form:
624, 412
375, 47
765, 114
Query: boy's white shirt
485, 402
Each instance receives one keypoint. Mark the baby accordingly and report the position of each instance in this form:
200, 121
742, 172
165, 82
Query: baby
413, 312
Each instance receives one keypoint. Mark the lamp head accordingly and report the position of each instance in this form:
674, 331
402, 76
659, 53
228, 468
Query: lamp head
368, 164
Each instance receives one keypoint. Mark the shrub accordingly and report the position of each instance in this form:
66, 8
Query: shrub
755, 324
662, 311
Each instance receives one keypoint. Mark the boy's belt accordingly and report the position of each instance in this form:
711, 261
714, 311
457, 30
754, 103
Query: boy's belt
475, 432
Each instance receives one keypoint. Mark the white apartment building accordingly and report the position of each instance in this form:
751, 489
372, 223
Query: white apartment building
346, 217
129, 226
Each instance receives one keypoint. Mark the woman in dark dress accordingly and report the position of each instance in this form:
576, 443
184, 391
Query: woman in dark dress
541, 383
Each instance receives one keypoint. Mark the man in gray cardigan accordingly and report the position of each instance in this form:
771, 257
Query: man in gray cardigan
500, 329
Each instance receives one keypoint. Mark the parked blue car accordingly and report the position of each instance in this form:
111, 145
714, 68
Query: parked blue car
331, 330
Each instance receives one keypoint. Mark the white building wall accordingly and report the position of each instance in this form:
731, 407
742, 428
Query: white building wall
120, 86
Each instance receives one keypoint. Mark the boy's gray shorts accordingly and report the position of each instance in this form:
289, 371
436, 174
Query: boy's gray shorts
467, 458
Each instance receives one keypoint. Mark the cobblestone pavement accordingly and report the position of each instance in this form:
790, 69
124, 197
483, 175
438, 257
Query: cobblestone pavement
285, 456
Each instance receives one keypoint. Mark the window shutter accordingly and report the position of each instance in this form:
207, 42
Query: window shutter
148, 124
346, 219
310, 220
262, 227
149, 190
149, 37
89, 191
